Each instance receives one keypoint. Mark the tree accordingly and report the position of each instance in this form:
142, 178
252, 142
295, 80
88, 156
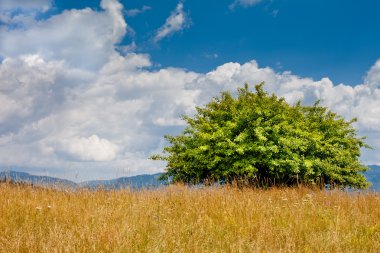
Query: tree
261, 139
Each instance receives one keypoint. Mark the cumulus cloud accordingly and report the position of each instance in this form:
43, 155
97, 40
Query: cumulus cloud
63, 115
83, 38
92, 148
373, 75
244, 3
176, 22
58, 112
28, 90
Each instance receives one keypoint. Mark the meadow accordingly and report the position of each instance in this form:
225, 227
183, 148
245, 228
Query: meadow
183, 219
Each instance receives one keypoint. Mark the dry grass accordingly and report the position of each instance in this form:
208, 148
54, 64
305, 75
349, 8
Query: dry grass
179, 219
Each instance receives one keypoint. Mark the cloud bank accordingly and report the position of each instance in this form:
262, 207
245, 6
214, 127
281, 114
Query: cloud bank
70, 100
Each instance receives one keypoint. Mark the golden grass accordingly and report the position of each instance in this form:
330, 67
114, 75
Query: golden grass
179, 219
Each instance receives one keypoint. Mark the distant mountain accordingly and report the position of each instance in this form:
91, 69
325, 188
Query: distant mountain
134, 182
35, 180
373, 176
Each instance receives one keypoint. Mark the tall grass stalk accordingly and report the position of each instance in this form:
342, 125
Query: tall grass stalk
182, 219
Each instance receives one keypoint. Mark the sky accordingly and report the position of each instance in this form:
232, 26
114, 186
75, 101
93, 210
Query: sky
88, 88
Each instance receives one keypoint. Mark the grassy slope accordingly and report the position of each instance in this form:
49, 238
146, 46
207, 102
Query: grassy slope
178, 219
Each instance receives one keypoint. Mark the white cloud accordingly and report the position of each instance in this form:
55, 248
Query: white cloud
26, 5
135, 12
119, 114
211, 56
176, 22
92, 148
373, 75
244, 3
128, 48
21, 13
49, 118
83, 38
27, 87
58, 112
346, 100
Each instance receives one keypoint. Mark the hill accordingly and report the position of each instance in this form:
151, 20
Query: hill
24, 177
134, 182
373, 176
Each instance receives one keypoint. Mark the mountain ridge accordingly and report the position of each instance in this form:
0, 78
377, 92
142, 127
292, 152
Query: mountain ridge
133, 182
373, 176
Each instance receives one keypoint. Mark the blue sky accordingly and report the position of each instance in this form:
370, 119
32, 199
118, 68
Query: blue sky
89, 88
314, 38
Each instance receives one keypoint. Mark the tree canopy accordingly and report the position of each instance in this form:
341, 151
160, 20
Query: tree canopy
263, 140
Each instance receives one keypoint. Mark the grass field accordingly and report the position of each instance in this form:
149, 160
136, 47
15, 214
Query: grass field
180, 219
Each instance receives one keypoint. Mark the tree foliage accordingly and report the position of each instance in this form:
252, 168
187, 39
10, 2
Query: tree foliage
261, 139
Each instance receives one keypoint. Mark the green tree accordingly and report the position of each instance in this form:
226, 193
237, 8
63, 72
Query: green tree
261, 139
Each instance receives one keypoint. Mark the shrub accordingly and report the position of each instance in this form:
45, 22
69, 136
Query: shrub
261, 139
